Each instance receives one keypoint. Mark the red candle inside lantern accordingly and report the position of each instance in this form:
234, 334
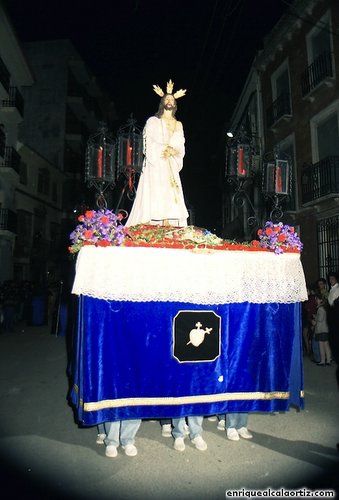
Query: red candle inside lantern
241, 163
129, 154
100, 161
278, 180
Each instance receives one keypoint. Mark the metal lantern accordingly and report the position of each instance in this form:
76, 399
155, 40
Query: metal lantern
130, 158
276, 177
130, 148
240, 173
100, 168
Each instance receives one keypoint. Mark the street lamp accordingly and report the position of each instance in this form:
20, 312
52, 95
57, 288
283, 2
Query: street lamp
100, 163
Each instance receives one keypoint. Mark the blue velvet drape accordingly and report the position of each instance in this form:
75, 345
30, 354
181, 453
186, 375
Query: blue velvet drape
123, 363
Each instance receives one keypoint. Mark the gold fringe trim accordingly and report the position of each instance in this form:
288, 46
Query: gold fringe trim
172, 401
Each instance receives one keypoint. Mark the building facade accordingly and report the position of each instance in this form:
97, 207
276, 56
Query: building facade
50, 104
296, 102
64, 107
15, 75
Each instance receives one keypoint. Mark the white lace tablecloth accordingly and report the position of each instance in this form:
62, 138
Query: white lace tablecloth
162, 274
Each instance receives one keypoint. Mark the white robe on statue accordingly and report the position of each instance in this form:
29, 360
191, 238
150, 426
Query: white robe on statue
159, 194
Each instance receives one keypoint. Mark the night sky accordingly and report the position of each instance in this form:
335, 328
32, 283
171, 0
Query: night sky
205, 46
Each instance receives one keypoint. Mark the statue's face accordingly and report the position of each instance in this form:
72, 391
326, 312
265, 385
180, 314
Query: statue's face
169, 102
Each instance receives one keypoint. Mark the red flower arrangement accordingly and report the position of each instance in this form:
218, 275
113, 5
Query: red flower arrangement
191, 237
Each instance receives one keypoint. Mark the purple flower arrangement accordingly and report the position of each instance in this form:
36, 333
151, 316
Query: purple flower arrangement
279, 237
101, 228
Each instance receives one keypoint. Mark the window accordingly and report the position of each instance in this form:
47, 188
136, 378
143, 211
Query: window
54, 192
321, 178
320, 56
281, 94
43, 181
325, 133
55, 232
2, 140
319, 40
24, 235
328, 137
281, 83
23, 173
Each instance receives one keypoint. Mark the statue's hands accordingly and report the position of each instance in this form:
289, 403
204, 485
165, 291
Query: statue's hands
168, 151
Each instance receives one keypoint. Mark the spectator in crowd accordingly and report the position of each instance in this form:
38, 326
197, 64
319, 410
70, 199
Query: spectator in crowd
309, 308
322, 289
321, 332
333, 314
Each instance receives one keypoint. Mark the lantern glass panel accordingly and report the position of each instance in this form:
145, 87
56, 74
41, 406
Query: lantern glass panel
100, 162
282, 177
269, 182
276, 177
130, 152
243, 160
231, 161
238, 160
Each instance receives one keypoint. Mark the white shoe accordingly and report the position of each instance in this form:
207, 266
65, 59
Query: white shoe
221, 425
166, 430
100, 438
199, 443
244, 433
213, 418
232, 434
111, 451
130, 450
179, 444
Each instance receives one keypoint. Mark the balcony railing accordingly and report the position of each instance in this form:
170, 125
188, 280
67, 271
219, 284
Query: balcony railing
320, 179
8, 220
15, 100
280, 108
4, 75
12, 159
320, 70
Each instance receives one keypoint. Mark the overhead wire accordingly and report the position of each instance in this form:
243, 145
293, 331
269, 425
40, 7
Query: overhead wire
229, 42
203, 50
226, 14
206, 68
